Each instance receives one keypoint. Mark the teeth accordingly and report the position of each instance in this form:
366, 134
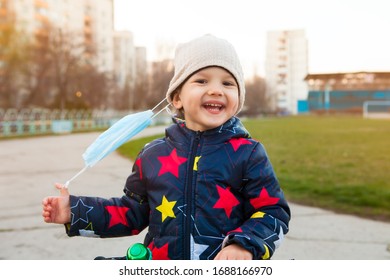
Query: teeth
213, 105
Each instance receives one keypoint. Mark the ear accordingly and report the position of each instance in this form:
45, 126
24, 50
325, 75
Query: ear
176, 101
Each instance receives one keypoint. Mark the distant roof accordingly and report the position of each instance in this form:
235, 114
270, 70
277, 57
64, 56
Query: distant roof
341, 75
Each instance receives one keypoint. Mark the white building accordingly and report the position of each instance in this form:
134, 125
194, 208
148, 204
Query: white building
124, 59
101, 14
141, 64
286, 69
125, 67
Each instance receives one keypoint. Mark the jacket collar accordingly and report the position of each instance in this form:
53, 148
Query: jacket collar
233, 128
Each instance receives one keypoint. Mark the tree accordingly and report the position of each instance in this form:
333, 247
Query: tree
66, 53
162, 73
36, 75
13, 49
97, 88
257, 102
62, 73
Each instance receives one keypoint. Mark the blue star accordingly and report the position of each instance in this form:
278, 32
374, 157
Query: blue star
198, 248
183, 209
83, 211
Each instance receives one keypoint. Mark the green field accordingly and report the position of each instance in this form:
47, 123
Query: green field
340, 163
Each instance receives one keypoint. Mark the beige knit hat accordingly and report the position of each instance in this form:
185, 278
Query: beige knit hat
202, 52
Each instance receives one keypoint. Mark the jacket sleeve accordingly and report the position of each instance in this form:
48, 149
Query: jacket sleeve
114, 217
266, 209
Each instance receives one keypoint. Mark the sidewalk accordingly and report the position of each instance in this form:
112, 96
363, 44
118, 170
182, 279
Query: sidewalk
30, 167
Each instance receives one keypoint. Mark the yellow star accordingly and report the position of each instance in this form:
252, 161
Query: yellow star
266, 256
258, 214
196, 163
166, 208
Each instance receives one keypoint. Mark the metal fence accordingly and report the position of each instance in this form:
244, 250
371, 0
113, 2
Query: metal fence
42, 121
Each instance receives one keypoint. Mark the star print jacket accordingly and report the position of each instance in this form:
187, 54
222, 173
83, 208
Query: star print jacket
196, 192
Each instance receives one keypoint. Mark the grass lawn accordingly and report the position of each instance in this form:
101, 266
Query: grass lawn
340, 163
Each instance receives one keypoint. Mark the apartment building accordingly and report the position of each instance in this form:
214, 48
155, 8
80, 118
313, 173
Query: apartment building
124, 59
286, 68
100, 18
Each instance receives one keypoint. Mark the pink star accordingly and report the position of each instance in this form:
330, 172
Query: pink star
263, 199
226, 200
237, 142
171, 164
118, 215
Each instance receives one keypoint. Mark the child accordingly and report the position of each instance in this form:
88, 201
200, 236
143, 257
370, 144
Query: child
206, 190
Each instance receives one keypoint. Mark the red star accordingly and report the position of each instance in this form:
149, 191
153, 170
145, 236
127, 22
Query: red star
171, 163
159, 253
138, 163
263, 200
237, 230
237, 142
118, 215
226, 200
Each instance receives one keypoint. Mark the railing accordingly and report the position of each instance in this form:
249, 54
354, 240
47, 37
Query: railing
27, 122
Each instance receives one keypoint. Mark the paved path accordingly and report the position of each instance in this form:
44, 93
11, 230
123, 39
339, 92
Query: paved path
30, 167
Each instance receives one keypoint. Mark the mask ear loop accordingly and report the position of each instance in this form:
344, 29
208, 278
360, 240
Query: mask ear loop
168, 110
161, 102
161, 110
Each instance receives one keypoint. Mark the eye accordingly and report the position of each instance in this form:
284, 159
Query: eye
229, 83
201, 81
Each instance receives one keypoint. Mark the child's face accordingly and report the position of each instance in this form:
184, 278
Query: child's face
209, 98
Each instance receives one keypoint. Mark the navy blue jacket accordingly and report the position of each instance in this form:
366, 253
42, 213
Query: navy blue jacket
196, 192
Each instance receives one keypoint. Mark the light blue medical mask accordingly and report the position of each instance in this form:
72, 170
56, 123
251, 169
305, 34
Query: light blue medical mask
119, 133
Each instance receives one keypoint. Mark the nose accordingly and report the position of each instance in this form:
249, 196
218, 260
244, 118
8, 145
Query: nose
215, 89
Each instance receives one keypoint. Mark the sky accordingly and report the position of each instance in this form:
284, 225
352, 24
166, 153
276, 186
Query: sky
342, 35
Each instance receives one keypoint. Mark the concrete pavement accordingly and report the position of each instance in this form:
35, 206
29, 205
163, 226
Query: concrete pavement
30, 167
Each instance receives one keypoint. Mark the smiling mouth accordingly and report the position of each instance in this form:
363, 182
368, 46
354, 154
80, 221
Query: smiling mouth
211, 107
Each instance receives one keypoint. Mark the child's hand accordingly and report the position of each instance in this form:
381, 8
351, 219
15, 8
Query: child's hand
56, 209
234, 252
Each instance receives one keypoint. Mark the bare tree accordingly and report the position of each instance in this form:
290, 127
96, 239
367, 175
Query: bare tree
96, 89
140, 91
13, 46
162, 73
62, 73
36, 75
66, 57
256, 102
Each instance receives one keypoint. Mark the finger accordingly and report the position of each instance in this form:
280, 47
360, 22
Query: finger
46, 216
63, 189
45, 201
59, 186
47, 219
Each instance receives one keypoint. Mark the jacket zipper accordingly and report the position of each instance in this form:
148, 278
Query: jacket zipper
189, 194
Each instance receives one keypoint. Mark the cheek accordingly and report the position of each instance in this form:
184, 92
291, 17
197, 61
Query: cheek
235, 99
